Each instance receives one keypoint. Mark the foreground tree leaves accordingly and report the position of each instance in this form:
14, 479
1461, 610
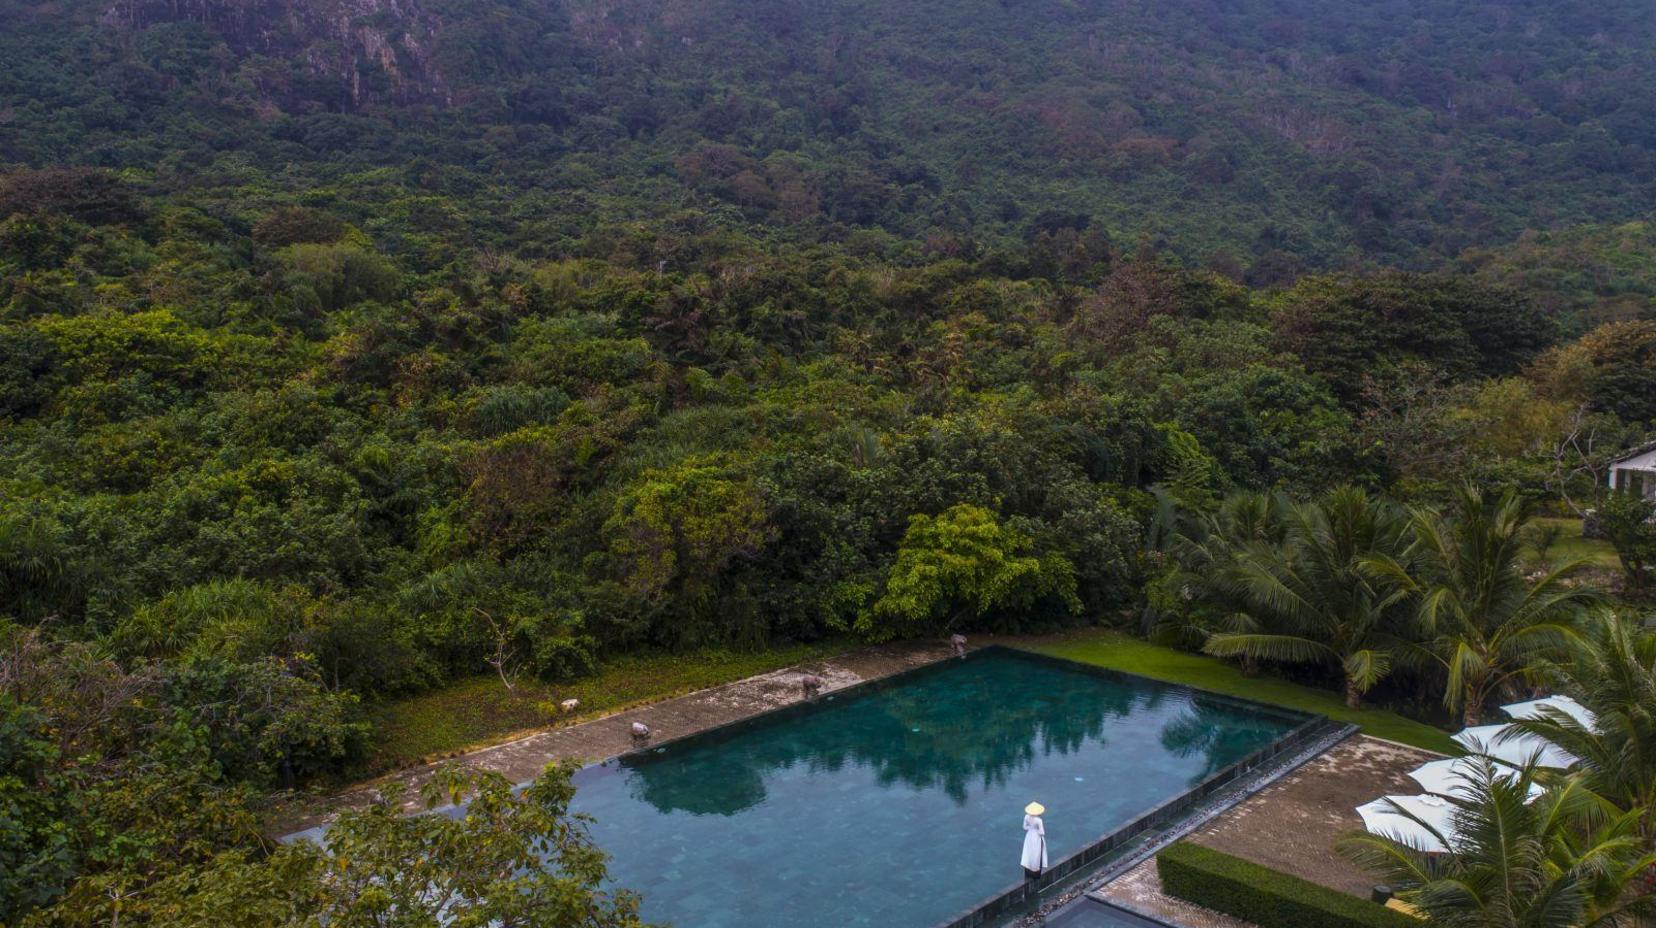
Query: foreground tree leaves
509, 859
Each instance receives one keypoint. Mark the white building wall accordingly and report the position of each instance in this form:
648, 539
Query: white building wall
1635, 472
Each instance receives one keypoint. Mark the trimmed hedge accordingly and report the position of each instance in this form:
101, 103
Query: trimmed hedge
1268, 898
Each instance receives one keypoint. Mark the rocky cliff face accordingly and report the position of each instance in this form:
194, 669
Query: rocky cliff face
351, 54
365, 51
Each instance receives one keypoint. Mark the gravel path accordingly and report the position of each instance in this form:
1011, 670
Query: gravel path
1292, 824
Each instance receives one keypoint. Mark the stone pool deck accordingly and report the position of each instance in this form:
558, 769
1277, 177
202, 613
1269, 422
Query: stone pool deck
597, 739
1290, 826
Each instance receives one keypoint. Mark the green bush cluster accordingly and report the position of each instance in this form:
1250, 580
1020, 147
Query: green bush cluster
1268, 898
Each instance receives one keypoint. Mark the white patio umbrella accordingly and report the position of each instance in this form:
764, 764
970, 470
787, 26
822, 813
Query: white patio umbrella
1385, 817
1444, 777
1536, 708
1508, 745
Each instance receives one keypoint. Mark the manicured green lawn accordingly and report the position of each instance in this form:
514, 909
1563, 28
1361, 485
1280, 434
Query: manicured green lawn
1121, 652
1571, 546
478, 711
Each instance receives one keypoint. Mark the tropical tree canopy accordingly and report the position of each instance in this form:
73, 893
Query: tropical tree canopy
961, 568
1485, 619
1565, 860
1310, 597
512, 859
1611, 670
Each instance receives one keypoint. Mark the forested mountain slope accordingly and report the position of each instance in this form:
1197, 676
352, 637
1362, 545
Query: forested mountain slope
1259, 134
353, 349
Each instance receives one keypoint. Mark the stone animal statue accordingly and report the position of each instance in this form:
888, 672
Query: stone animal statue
640, 732
810, 685
958, 642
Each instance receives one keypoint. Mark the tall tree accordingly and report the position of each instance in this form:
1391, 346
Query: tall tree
1611, 671
509, 859
1311, 598
1564, 860
1192, 597
1487, 622
964, 566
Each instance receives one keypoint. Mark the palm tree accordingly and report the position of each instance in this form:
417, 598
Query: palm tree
37, 576
1612, 672
1308, 598
1191, 598
1565, 860
1487, 622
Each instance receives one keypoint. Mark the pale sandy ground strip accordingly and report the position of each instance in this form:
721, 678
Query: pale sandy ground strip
1140, 889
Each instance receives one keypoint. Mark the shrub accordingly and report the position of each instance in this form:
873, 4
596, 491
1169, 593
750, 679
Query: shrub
91, 195
1270, 899
494, 411
266, 721
329, 277
295, 225
36, 844
1625, 519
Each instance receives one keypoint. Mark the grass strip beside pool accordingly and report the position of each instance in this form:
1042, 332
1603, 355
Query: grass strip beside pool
1131, 655
479, 711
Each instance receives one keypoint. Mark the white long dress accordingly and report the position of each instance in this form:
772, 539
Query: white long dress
1034, 849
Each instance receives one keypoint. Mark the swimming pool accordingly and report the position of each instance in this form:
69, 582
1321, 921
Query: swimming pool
900, 804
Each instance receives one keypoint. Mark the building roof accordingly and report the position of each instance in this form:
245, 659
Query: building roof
1642, 457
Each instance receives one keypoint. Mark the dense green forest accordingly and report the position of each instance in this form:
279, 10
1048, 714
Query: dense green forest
349, 353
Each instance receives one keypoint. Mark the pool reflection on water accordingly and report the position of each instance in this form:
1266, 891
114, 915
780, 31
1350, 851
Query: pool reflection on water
901, 805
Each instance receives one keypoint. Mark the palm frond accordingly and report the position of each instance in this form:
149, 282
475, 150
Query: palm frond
1268, 647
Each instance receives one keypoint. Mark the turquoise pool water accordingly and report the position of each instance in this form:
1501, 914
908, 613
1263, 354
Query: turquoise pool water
899, 806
